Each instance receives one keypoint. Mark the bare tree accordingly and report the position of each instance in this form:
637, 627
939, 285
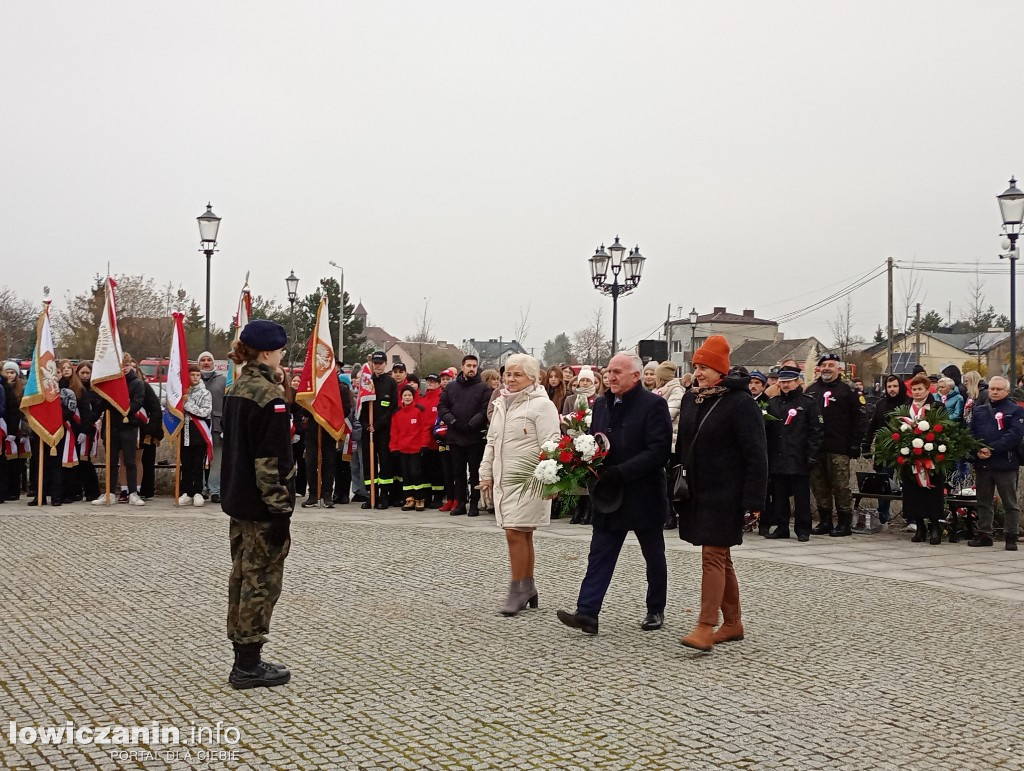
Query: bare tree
974, 314
522, 329
424, 326
590, 345
911, 288
17, 324
842, 329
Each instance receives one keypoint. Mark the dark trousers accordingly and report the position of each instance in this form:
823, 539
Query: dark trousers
193, 458
444, 452
123, 439
327, 451
463, 458
383, 472
88, 480
147, 487
433, 477
799, 487
53, 471
412, 475
299, 449
15, 472
342, 477
605, 546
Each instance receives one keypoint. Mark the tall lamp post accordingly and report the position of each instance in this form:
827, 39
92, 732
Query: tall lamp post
209, 224
693, 333
341, 312
1011, 207
632, 266
292, 282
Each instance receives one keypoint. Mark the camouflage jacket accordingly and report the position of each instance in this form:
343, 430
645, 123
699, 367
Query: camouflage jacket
257, 467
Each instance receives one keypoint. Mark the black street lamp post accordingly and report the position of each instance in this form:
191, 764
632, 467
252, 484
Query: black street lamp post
612, 258
209, 224
292, 282
693, 333
1011, 207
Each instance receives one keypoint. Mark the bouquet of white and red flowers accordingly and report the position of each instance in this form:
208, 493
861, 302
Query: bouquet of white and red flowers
563, 467
925, 444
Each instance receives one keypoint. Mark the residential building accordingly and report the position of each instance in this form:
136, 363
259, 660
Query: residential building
764, 354
492, 353
736, 328
412, 353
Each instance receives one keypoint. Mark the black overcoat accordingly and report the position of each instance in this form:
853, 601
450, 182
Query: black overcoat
728, 471
640, 432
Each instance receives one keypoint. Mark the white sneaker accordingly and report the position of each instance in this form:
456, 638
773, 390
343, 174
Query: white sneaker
102, 500
135, 500
198, 500
185, 500
911, 528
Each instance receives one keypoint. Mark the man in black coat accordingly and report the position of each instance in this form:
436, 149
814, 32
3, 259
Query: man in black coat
463, 408
384, 406
794, 441
845, 417
632, 493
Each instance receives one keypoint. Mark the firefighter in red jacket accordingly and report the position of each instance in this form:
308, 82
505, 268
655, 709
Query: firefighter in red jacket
407, 437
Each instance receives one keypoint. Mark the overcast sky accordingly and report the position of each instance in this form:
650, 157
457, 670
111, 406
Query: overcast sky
475, 153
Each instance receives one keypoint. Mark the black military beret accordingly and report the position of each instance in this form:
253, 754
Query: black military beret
264, 335
828, 357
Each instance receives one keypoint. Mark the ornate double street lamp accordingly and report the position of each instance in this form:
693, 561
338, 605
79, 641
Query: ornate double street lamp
292, 282
1011, 206
209, 224
631, 266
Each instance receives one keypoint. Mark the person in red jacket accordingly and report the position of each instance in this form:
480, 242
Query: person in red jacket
433, 475
407, 438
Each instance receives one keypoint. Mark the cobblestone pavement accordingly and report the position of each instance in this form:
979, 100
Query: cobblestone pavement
116, 617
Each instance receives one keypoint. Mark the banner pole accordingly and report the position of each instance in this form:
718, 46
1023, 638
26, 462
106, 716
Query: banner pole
177, 468
373, 471
42, 453
319, 464
106, 452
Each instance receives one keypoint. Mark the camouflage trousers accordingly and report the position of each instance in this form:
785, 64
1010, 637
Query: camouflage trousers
830, 479
257, 572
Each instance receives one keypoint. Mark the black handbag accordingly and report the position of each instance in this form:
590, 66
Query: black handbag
680, 485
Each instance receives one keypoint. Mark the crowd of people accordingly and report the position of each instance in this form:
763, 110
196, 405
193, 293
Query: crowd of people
714, 452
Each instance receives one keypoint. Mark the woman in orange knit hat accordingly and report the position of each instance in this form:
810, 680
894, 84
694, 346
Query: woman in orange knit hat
722, 444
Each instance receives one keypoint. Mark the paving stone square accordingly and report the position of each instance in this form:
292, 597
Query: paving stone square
388, 622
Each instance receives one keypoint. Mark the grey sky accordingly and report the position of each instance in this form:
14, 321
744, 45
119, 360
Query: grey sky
476, 153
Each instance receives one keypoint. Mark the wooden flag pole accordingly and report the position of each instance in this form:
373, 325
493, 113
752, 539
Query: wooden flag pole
319, 464
42, 454
177, 468
106, 453
373, 471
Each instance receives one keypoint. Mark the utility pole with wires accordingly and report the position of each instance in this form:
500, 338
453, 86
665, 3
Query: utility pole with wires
888, 345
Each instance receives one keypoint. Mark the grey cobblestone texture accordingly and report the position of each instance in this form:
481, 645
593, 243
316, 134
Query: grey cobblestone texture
399, 659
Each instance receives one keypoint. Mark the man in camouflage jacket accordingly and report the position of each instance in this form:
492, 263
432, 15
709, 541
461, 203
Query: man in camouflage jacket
258, 493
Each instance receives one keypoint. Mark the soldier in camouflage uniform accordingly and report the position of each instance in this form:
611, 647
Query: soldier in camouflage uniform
845, 418
258, 493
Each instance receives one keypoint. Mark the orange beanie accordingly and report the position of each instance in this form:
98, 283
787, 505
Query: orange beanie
714, 353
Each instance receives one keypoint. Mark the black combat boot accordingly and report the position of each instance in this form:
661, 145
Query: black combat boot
845, 519
921, 534
1011, 542
250, 672
824, 526
935, 533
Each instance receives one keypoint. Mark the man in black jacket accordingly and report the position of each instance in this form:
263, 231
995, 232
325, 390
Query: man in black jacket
845, 418
383, 408
463, 408
632, 493
794, 442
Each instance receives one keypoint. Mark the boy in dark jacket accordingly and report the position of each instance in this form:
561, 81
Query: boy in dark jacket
794, 441
463, 408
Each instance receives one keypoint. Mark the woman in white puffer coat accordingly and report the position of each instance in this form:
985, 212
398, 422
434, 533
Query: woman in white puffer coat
524, 419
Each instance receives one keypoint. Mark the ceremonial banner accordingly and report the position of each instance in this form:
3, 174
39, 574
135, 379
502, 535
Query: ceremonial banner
319, 390
365, 391
177, 379
241, 319
107, 377
41, 400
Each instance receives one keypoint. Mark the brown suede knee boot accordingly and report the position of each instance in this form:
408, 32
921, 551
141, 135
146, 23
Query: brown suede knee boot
732, 627
712, 589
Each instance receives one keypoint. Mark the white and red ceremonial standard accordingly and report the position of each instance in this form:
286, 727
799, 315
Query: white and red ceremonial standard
366, 392
177, 379
41, 401
107, 378
319, 390
241, 319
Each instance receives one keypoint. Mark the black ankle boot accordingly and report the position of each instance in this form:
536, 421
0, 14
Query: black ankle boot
250, 672
935, 533
954, 535
824, 526
921, 535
